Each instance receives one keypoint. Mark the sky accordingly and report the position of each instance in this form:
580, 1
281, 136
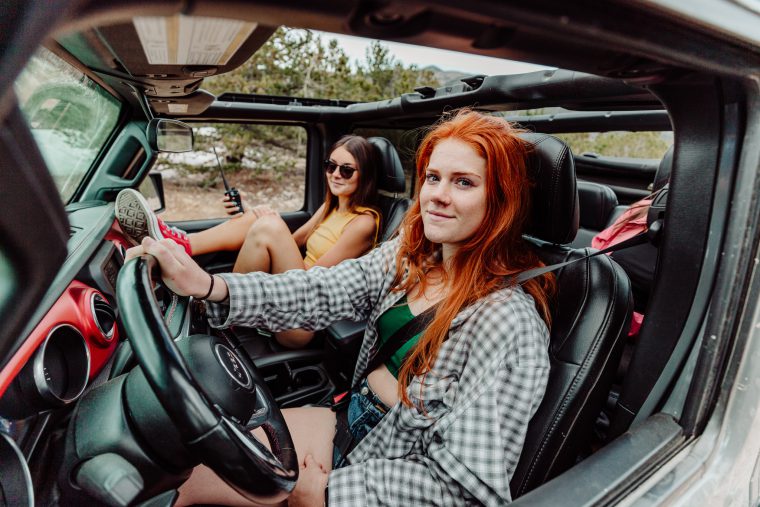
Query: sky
424, 56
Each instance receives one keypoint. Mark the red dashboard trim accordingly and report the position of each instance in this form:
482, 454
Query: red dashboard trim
73, 308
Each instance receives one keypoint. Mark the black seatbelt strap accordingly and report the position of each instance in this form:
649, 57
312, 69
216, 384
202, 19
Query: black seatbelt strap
402, 335
639, 239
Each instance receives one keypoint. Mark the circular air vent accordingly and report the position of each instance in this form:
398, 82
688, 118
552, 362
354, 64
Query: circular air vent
104, 315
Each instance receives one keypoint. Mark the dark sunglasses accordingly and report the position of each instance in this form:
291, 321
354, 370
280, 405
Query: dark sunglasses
346, 171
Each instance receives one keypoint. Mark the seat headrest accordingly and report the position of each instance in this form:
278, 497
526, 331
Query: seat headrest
555, 213
597, 204
390, 175
662, 176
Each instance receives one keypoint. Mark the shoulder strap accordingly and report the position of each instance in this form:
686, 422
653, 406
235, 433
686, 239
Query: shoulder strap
402, 335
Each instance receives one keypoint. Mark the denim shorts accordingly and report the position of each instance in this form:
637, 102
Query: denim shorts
364, 412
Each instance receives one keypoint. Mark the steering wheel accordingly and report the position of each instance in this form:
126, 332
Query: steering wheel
214, 422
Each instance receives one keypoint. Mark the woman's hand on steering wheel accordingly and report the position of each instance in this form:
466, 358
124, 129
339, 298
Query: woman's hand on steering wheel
181, 274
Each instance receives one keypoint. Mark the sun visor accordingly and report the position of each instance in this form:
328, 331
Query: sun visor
189, 105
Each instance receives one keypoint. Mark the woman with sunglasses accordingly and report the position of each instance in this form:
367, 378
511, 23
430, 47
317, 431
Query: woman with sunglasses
345, 226
442, 421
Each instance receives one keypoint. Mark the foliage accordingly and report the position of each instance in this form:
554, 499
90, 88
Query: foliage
298, 63
619, 144
294, 63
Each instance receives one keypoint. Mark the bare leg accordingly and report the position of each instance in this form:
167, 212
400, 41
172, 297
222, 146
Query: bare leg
269, 247
312, 429
228, 235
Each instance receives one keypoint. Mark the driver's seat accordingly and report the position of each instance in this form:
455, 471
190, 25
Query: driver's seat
590, 322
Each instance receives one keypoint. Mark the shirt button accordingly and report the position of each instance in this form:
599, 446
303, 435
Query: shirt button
364, 391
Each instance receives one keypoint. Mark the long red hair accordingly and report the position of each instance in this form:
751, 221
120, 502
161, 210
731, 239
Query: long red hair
487, 260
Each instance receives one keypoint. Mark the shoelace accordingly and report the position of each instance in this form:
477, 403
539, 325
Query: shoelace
178, 232
174, 230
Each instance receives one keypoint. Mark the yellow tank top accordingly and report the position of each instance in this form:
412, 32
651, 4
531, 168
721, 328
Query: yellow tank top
327, 233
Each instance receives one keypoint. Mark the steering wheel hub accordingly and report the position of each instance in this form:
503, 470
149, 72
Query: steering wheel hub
233, 366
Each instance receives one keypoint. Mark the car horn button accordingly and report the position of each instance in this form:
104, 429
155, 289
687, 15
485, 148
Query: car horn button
233, 365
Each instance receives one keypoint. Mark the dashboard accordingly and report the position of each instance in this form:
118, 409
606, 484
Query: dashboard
72, 338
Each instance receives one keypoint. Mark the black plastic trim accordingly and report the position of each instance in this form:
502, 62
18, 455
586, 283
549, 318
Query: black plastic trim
682, 252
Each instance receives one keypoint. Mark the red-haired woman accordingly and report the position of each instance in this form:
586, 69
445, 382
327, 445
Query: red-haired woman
443, 420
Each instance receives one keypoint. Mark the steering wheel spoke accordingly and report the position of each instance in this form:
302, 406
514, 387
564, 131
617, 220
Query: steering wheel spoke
261, 414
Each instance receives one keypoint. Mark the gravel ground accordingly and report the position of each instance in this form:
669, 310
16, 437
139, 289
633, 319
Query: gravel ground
189, 203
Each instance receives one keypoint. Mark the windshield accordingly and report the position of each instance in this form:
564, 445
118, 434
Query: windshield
70, 116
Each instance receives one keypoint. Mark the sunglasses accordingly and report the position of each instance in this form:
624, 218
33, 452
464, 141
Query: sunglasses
346, 171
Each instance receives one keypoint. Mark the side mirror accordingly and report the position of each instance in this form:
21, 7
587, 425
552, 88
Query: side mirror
152, 188
170, 136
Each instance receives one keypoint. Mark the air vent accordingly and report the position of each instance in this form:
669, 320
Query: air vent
105, 316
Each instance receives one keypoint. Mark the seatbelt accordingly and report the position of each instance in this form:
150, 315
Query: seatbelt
639, 239
418, 324
411, 328
651, 235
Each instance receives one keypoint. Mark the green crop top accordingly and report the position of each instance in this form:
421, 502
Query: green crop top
388, 323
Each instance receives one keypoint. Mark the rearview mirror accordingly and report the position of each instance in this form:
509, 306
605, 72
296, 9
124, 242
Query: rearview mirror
170, 136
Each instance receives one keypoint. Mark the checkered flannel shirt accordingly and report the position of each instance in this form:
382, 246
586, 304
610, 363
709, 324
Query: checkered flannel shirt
487, 382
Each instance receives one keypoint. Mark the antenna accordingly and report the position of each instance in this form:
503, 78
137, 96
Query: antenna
224, 180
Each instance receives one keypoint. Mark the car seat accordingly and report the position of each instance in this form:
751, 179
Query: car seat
661, 178
390, 180
590, 321
597, 204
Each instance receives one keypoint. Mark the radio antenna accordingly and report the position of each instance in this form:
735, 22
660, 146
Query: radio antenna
224, 180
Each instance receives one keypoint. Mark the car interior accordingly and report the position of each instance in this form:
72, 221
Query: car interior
108, 394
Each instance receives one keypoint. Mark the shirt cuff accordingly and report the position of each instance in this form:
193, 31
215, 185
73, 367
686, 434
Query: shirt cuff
243, 297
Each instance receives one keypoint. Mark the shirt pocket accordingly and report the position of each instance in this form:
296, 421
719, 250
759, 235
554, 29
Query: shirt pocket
432, 398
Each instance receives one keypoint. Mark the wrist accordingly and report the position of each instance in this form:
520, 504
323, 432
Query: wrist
220, 291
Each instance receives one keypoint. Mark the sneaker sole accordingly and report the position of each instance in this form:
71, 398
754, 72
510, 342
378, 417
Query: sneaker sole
135, 217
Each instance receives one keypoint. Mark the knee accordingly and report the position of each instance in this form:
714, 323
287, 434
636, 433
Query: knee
268, 226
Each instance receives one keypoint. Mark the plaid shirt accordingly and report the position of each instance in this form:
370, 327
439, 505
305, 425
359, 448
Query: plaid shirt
487, 382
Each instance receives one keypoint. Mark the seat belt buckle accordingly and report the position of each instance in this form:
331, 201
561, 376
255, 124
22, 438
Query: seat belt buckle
340, 401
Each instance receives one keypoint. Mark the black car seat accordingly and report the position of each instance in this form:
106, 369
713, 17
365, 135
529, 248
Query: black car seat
590, 321
597, 204
661, 178
392, 183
